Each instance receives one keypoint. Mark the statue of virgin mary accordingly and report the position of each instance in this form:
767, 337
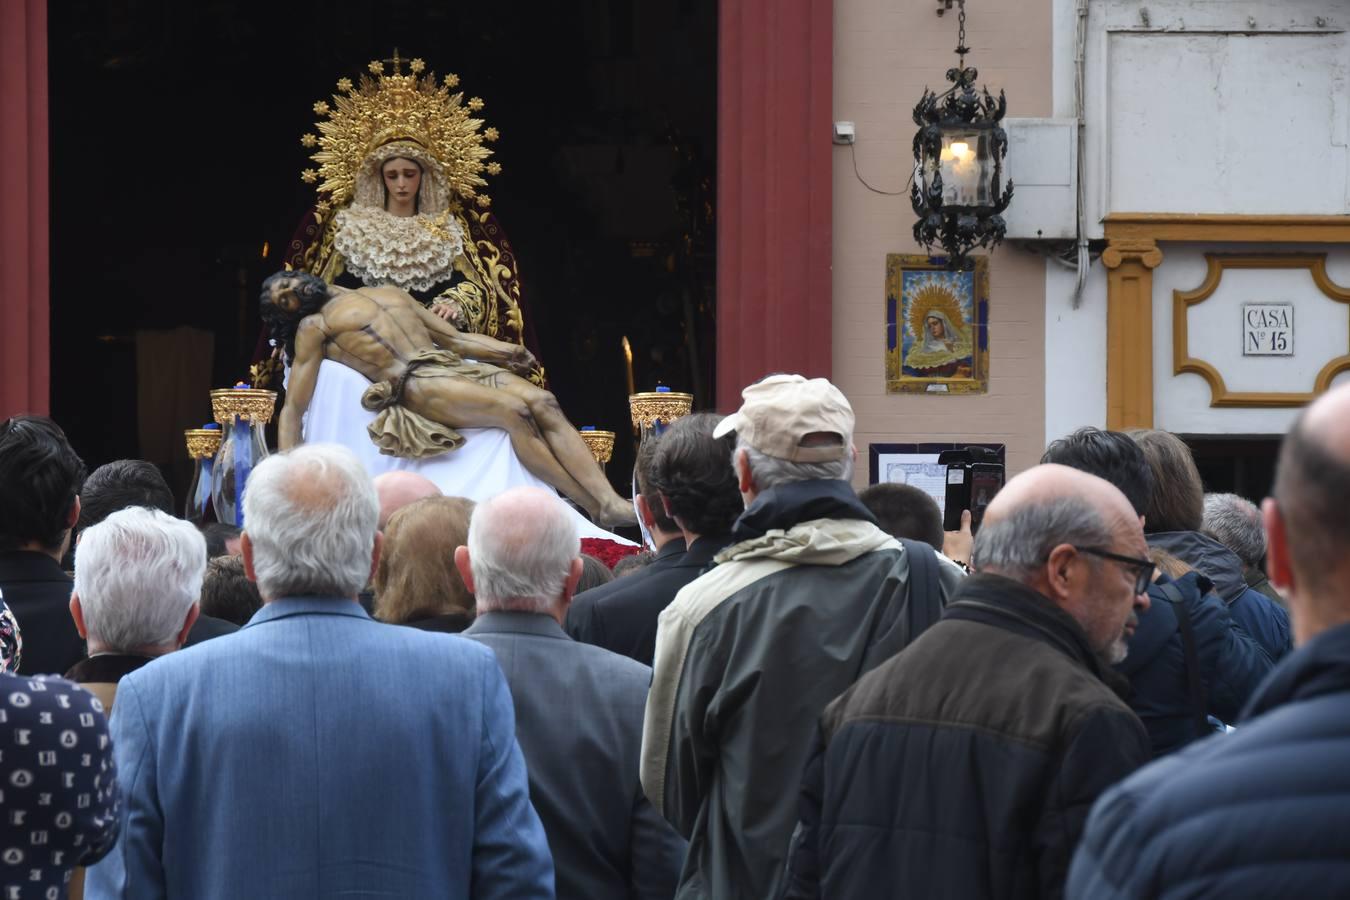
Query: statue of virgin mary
400, 172
401, 202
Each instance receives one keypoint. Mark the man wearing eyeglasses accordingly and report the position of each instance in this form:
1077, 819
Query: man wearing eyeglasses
965, 765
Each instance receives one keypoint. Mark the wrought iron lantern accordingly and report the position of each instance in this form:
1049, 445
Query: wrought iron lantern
959, 192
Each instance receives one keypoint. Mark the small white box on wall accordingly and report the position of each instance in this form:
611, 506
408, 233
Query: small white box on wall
1043, 165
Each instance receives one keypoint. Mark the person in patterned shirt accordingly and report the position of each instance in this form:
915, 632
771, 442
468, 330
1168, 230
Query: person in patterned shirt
59, 799
11, 641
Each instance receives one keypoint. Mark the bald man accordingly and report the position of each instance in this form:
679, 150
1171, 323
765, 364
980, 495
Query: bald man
398, 489
1261, 812
965, 765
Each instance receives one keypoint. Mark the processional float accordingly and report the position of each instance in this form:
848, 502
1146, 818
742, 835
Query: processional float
417, 113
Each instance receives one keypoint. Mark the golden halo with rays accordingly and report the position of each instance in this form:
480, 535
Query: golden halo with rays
398, 106
936, 295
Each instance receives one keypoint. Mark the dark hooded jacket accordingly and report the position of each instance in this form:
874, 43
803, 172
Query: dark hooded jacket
1230, 664
966, 765
810, 595
1258, 615
1257, 813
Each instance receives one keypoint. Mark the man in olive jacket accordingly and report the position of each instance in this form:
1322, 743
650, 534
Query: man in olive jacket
966, 765
809, 595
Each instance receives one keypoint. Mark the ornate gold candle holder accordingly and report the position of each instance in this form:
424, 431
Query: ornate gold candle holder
600, 443
250, 404
202, 443
652, 410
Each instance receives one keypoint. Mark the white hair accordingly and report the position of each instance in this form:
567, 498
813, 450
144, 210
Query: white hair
1236, 523
521, 547
137, 573
310, 515
770, 471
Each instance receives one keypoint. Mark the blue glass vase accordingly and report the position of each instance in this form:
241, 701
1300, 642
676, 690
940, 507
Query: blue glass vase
244, 412
202, 444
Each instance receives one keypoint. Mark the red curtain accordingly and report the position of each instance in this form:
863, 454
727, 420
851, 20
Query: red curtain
24, 268
775, 70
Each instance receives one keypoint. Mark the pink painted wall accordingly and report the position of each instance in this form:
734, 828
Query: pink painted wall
885, 53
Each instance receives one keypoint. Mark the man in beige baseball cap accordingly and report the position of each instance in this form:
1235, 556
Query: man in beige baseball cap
809, 595
793, 418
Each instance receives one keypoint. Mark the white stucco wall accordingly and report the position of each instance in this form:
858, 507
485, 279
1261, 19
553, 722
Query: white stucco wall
1194, 106
1321, 332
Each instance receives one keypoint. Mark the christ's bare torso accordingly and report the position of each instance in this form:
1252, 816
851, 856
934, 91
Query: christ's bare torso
374, 331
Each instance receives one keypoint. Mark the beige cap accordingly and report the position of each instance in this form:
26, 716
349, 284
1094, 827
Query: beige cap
778, 412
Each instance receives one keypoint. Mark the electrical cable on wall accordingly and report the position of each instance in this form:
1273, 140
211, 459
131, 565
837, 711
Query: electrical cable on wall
853, 154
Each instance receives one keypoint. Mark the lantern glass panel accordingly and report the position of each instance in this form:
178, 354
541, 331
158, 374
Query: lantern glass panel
965, 168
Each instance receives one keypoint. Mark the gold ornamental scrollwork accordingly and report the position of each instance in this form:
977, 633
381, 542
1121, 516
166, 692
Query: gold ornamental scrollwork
650, 407
202, 443
1217, 263
600, 443
251, 404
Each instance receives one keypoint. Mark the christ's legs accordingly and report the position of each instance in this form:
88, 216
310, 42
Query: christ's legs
570, 449
461, 403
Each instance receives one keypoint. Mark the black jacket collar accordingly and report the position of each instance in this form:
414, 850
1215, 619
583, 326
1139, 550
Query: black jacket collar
672, 547
801, 501
106, 668
29, 565
1322, 666
1011, 605
701, 553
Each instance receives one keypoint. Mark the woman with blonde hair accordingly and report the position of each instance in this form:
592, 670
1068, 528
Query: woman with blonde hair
416, 582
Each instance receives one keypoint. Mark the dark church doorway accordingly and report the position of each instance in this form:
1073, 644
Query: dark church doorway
1236, 464
175, 163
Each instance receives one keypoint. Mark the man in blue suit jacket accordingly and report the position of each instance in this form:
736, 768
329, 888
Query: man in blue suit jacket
579, 707
317, 753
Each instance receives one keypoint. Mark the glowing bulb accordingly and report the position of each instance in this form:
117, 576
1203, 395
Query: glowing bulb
961, 150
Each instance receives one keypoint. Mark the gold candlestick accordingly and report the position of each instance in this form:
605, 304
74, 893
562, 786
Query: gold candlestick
202, 443
651, 409
252, 404
600, 443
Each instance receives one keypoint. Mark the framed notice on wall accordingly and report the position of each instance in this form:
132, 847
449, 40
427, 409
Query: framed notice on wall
937, 335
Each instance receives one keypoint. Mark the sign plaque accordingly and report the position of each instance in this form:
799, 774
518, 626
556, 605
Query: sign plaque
1267, 329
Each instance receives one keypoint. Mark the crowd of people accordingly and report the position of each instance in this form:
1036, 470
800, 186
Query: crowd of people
1119, 687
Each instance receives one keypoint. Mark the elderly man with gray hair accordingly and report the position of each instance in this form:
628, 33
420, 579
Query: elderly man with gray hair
1236, 523
578, 707
315, 752
965, 765
138, 576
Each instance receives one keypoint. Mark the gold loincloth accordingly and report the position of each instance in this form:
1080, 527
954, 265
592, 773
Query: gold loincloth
398, 431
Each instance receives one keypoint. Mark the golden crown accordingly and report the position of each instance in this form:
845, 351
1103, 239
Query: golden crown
396, 107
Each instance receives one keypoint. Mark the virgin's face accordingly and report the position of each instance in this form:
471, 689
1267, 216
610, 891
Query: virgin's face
402, 178
935, 327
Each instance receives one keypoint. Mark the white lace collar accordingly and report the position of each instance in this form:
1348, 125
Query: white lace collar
413, 252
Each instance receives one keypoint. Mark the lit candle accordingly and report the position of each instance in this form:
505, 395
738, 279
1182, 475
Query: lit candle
628, 359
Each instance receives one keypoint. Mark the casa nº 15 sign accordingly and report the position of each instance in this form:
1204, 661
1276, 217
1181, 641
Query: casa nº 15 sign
1267, 329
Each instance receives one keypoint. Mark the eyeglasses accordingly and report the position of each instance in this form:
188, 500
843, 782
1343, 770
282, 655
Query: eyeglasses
1143, 568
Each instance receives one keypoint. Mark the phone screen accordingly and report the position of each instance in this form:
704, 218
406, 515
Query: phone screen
985, 482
